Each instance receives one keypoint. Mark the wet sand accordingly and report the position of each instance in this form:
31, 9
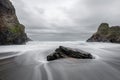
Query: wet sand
32, 65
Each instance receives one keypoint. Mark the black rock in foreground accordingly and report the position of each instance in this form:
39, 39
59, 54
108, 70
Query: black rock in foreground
106, 34
65, 52
11, 31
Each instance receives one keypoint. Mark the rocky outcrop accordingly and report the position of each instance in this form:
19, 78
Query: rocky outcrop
65, 52
11, 31
106, 34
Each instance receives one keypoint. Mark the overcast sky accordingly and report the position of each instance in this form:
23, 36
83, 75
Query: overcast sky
67, 16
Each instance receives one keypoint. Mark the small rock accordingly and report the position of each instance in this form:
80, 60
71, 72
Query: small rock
65, 52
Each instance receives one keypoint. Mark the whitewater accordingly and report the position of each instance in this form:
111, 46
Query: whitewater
29, 62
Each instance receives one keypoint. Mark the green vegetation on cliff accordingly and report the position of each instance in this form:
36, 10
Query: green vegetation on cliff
17, 28
103, 29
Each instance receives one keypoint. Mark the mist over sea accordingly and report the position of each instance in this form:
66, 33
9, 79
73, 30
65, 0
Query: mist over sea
74, 36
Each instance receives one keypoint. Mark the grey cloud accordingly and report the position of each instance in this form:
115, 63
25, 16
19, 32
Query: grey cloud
67, 16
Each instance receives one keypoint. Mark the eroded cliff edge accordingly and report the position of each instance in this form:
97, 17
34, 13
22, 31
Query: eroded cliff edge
11, 31
106, 34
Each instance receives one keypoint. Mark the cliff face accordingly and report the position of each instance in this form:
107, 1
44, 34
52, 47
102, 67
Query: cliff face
106, 34
11, 31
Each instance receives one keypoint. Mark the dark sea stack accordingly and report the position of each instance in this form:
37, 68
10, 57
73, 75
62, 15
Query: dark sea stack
106, 34
11, 31
65, 52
